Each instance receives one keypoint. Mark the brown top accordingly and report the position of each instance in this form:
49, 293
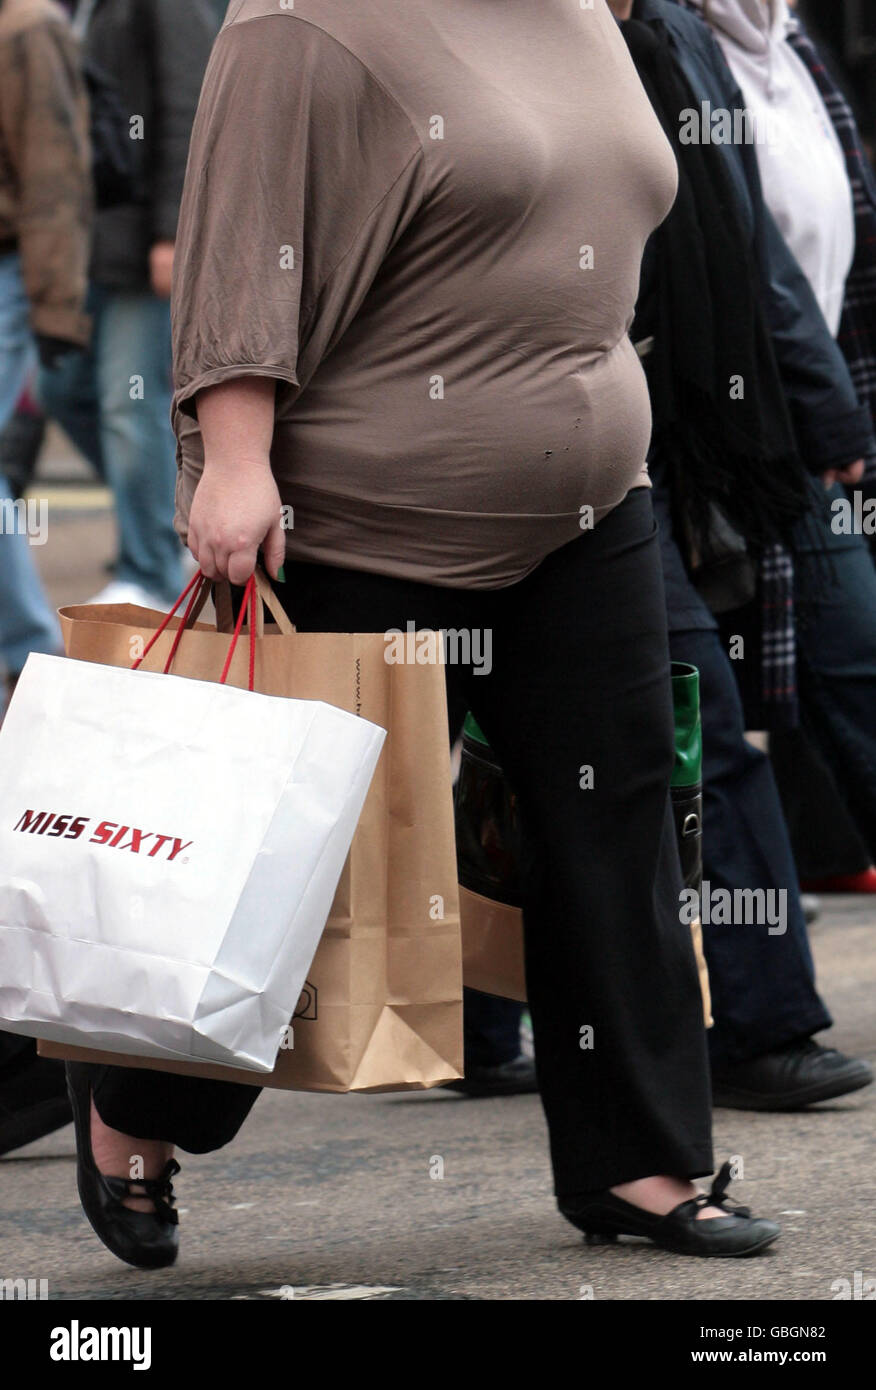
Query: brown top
45, 164
425, 218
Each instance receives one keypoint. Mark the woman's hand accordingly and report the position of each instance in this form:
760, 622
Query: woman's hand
236, 507
233, 514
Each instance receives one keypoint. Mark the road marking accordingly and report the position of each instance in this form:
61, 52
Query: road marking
73, 499
330, 1291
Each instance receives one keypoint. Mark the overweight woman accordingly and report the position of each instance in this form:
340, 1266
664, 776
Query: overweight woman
407, 262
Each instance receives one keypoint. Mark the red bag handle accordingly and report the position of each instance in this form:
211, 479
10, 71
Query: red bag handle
197, 587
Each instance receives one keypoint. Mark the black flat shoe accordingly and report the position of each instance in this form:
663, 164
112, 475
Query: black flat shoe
604, 1217
148, 1240
800, 1074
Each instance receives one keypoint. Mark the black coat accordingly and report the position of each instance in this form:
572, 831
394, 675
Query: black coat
156, 52
832, 427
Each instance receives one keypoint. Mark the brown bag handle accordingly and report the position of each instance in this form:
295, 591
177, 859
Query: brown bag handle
268, 596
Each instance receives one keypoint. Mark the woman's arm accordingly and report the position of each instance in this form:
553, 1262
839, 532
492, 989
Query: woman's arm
236, 507
303, 172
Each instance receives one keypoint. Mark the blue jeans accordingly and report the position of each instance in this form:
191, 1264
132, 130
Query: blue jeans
27, 624
114, 402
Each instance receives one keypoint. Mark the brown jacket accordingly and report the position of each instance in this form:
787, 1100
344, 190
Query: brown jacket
45, 171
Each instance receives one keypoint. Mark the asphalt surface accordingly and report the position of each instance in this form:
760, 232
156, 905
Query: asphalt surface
331, 1197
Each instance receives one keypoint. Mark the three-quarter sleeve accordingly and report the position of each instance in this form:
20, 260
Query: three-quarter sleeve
303, 171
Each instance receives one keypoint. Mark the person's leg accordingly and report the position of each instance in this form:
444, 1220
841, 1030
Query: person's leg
763, 989
824, 838
33, 1093
491, 1029
578, 710
68, 392
836, 588
15, 1051
16, 341
133, 375
148, 1113
606, 945
190, 1112
26, 621
22, 439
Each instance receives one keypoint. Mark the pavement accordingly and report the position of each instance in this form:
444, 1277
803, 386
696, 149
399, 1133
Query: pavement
332, 1197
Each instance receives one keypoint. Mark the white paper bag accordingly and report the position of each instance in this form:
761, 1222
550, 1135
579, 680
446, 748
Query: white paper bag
169, 851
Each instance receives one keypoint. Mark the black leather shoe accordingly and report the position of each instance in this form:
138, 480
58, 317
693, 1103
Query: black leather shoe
513, 1078
148, 1240
789, 1079
33, 1103
604, 1217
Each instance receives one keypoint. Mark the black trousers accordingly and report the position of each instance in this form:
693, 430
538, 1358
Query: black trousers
579, 679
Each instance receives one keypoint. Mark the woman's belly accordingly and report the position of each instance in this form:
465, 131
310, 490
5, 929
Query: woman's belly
472, 480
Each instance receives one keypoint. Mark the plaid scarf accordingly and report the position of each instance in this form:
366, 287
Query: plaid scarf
778, 657
857, 331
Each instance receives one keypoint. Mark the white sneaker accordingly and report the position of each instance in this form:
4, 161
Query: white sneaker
118, 591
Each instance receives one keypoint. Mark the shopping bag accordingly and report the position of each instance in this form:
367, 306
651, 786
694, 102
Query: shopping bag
381, 1008
491, 849
169, 852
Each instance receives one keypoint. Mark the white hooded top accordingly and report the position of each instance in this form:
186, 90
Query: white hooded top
801, 162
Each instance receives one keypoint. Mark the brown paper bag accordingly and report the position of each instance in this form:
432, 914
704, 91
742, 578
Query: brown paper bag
382, 1009
492, 945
